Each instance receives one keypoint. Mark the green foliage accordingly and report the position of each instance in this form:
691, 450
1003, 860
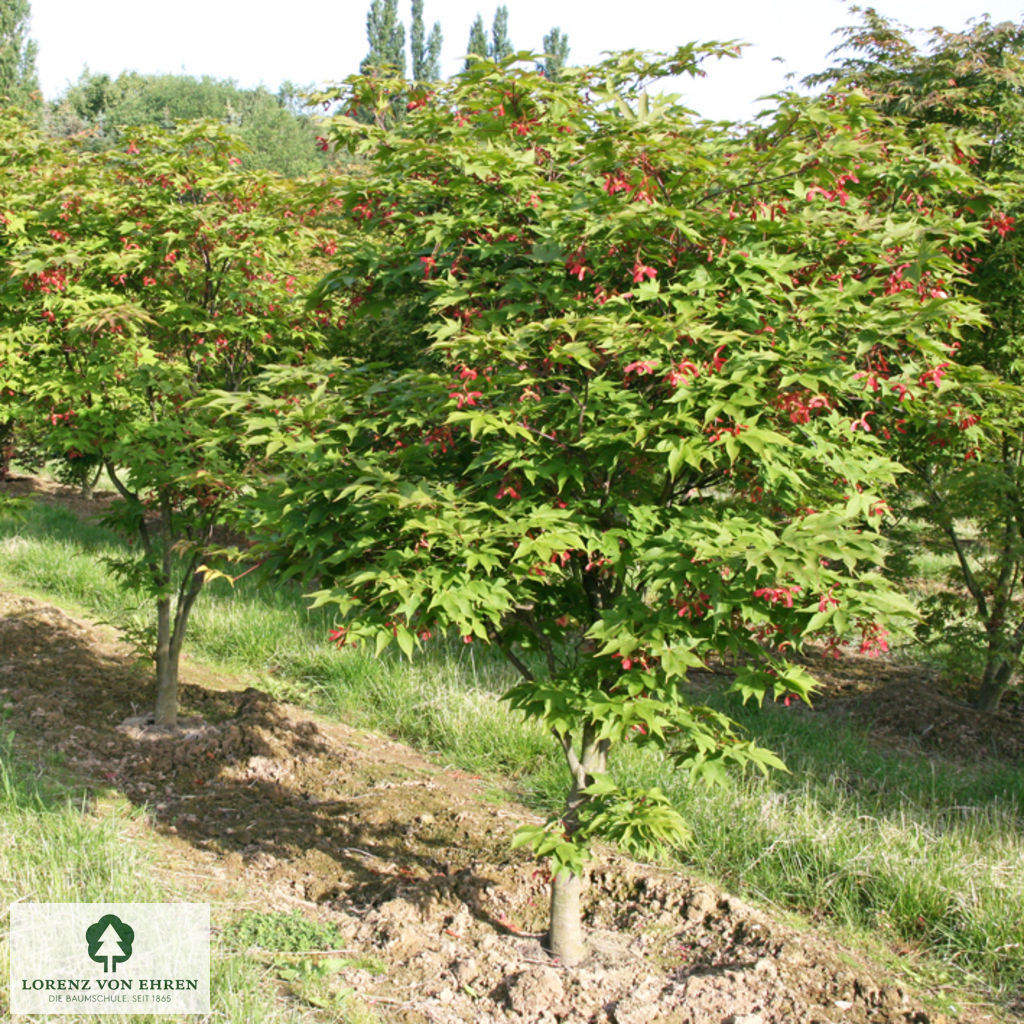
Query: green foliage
619, 427
12, 508
641, 821
277, 134
19, 84
966, 476
556, 50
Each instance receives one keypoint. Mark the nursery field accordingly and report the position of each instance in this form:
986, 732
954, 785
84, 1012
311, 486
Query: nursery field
559, 558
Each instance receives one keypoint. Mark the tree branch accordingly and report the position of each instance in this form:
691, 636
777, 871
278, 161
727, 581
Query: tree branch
946, 525
514, 659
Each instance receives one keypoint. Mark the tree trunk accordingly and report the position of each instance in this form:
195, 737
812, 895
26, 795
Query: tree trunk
565, 930
994, 683
89, 482
170, 639
6, 449
1001, 659
565, 933
166, 667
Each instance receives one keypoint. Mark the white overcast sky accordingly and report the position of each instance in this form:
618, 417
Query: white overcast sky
310, 42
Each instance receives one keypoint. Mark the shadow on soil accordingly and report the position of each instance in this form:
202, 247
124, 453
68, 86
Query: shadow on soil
239, 777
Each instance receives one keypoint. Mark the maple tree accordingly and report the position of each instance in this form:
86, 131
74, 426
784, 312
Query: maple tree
965, 486
138, 279
23, 151
624, 429
616, 423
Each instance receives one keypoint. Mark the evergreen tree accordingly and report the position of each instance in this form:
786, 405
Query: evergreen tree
477, 46
501, 45
556, 49
426, 55
18, 80
386, 36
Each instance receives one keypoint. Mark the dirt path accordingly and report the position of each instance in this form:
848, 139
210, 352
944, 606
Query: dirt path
409, 860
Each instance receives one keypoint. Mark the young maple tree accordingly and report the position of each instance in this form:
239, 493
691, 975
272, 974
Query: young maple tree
618, 425
966, 479
137, 280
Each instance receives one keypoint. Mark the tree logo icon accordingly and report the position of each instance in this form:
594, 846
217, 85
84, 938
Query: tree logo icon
110, 942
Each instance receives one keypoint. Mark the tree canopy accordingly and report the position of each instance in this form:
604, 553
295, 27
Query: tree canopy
137, 280
108, 110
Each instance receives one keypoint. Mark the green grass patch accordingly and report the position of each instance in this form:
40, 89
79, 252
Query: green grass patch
279, 932
306, 956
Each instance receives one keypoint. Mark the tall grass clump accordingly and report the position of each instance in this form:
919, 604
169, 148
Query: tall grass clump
48, 548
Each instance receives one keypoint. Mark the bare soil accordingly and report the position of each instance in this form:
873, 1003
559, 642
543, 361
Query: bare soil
411, 860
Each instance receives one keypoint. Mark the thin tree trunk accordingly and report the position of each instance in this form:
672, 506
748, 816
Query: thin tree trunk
994, 683
170, 639
1001, 660
565, 933
89, 483
166, 667
6, 449
170, 628
565, 930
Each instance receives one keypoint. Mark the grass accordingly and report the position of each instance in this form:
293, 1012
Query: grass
929, 856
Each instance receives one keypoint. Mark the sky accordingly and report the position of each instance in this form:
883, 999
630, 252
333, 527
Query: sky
311, 42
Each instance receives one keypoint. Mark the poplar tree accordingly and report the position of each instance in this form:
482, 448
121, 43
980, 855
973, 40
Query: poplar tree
18, 79
426, 50
386, 36
556, 50
477, 46
501, 45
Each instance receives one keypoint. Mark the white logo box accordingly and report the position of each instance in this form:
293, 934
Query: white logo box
110, 958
